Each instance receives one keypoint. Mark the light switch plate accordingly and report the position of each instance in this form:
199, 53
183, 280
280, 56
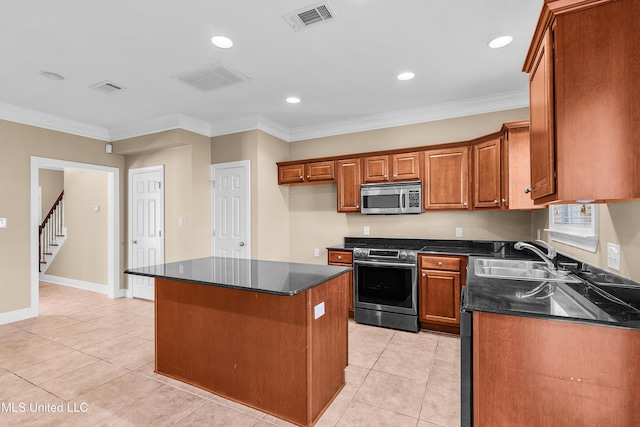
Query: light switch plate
365, 231
458, 231
3, 222
613, 256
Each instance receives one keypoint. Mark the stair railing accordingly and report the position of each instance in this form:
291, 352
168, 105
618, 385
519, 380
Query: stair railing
51, 228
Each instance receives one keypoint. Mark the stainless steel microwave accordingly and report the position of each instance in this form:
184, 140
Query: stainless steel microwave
395, 198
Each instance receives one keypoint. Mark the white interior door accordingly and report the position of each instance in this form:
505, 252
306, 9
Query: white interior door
146, 216
231, 210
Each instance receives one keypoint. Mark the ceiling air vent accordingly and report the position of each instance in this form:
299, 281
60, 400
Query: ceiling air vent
107, 87
301, 19
210, 77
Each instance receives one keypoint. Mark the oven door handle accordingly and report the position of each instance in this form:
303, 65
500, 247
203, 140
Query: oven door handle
384, 264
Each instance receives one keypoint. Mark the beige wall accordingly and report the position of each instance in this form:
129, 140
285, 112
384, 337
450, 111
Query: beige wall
269, 202
185, 156
617, 223
51, 184
18, 143
314, 222
84, 254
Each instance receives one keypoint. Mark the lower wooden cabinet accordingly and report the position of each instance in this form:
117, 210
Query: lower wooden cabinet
542, 372
441, 280
343, 259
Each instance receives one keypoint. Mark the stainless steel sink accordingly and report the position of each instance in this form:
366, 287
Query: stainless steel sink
520, 270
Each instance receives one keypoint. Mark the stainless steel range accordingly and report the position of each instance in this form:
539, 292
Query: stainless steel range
386, 286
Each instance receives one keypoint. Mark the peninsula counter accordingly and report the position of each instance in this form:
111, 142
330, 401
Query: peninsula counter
270, 335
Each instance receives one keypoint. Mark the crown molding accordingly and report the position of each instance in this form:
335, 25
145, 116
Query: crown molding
249, 123
26, 116
448, 110
161, 124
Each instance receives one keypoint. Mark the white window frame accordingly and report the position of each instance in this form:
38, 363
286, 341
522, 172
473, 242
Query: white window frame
584, 237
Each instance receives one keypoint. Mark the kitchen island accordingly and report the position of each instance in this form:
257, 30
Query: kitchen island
270, 335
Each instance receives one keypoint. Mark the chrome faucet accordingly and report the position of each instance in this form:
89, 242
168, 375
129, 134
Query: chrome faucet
547, 258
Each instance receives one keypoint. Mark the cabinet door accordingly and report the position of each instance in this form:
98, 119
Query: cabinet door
343, 259
446, 178
376, 169
291, 174
487, 183
440, 297
542, 113
518, 174
405, 167
348, 185
321, 171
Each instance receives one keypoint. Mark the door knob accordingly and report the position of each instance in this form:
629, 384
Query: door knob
134, 242
527, 190
241, 243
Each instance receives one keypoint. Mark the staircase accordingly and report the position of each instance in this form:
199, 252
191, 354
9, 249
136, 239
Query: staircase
52, 233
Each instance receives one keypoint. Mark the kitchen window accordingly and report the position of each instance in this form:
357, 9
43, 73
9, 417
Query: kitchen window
575, 225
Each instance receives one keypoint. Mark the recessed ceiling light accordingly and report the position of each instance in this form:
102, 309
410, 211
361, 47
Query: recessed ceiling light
499, 42
222, 42
51, 75
406, 76
293, 100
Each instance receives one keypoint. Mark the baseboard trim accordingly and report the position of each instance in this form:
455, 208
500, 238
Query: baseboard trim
17, 315
78, 284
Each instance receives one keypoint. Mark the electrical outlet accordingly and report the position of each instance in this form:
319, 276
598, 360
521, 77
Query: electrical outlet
3, 222
366, 230
613, 256
538, 234
458, 231
316, 252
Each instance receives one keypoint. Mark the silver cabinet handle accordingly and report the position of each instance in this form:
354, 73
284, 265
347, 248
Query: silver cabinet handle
241, 243
495, 202
527, 190
439, 263
504, 200
464, 204
134, 242
424, 275
339, 256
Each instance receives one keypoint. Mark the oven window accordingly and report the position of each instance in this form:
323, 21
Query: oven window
382, 201
385, 286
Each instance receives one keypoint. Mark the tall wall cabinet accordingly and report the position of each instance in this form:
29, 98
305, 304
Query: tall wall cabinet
583, 67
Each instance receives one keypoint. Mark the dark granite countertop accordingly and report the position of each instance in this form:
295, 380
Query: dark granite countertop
584, 301
485, 248
271, 277
599, 292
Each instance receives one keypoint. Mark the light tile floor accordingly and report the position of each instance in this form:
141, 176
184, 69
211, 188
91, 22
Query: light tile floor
92, 357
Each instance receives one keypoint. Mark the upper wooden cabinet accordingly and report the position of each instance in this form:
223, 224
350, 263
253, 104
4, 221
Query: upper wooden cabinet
585, 98
541, 111
291, 174
394, 167
516, 167
445, 183
348, 185
375, 169
320, 171
487, 174
307, 173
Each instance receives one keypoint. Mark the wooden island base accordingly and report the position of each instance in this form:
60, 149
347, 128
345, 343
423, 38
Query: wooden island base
278, 354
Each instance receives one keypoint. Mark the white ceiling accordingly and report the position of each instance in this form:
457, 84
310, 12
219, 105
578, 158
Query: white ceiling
344, 70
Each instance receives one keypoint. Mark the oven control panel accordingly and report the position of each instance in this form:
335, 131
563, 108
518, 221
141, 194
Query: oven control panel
385, 254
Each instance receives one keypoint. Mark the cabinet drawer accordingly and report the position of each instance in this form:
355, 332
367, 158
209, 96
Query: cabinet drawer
342, 257
440, 263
